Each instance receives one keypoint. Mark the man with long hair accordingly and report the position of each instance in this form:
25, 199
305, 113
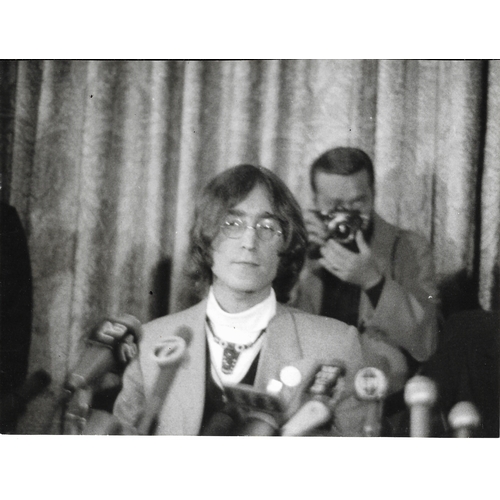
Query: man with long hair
247, 248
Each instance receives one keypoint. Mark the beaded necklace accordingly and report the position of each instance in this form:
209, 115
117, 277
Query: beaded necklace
231, 351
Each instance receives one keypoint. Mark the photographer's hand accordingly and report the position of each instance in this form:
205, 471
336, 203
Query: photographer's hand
356, 268
316, 231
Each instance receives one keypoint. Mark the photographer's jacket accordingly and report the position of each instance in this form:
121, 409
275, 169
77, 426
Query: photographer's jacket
406, 312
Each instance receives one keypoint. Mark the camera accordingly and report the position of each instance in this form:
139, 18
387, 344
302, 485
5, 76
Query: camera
341, 226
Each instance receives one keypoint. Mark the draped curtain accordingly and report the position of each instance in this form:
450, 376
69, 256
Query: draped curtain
104, 160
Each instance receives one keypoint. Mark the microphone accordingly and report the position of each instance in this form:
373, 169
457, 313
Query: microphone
420, 395
261, 413
222, 423
308, 378
227, 421
318, 389
13, 405
464, 419
249, 412
77, 410
371, 385
112, 345
300, 402
312, 415
169, 355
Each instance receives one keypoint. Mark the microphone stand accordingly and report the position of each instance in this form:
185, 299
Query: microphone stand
76, 410
111, 346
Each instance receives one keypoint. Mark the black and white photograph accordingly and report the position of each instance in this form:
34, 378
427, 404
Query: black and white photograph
216, 251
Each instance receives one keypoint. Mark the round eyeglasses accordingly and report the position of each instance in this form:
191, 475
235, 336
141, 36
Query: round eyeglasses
265, 230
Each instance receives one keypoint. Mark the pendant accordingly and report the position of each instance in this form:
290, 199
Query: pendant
229, 358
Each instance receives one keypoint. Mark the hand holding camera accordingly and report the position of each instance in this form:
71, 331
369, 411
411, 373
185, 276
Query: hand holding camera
339, 225
317, 233
336, 240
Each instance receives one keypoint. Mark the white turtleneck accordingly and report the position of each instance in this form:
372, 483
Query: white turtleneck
238, 328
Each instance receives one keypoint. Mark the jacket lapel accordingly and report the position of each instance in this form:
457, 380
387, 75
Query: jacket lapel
384, 238
310, 290
182, 411
279, 349
382, 246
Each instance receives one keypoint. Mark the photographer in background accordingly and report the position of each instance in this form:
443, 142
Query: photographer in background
361, 269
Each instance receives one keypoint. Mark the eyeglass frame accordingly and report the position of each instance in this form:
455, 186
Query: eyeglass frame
243, 227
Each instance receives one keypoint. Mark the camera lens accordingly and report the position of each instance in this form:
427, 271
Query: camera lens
342, 228
342, 232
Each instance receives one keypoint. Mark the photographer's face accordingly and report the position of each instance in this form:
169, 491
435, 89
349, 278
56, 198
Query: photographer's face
245, 267
344, 192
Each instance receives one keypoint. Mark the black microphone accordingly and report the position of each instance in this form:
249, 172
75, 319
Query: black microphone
371, 385
169, 355
222, 423
308, 391
111, 346
13, 405
260, 413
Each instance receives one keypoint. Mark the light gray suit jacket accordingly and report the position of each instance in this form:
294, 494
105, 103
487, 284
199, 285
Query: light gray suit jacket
292, 335
407, 311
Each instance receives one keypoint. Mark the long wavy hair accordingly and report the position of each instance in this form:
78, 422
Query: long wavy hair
224, 192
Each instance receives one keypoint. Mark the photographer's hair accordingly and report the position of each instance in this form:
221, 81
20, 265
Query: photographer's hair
342, 161
224, 192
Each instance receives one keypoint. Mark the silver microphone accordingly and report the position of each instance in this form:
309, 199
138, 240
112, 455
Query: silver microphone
371, 385
464, 419
420, 395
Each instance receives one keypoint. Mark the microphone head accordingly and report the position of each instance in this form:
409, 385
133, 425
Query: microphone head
312, 415
371, 384
464, 415
304, 372
221, 424
115, 328
185, 333
420, 390
173, 348
169, 351
311, 378
132, 324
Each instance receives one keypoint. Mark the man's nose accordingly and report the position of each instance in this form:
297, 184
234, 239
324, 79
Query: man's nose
249, 237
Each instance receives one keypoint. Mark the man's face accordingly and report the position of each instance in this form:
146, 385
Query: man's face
247, 265
344, 192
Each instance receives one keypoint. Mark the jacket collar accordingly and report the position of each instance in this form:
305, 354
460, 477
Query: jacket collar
182, 411
384, 239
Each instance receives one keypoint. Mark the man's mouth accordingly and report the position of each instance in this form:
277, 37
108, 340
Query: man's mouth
246, 263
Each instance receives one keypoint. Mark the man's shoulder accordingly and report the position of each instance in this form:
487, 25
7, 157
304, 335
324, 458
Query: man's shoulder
387, 234
321, 337
315, 324
168, 325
